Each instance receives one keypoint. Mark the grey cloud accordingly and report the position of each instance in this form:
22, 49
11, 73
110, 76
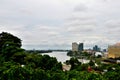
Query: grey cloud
54, 22
112, 24
81, 7
79, 18
82, 23
112, 28
80, 29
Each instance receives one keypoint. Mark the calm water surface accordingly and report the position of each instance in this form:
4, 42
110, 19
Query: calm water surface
60, 56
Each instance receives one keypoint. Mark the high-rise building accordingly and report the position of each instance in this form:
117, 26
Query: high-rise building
96, 48
74, 46
77, 47
114, 51
80, 47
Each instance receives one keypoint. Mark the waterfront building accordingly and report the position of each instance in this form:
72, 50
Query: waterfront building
80, 47
114, 51
75, 46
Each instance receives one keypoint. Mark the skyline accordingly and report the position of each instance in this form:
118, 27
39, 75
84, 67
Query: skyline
55, 24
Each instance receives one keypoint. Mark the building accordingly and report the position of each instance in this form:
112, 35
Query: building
114, 51
74, 46
77, 47
96, 48
80, 47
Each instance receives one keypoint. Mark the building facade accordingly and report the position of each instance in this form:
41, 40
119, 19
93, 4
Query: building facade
74, 46
96, 48
80, 47
114, 51
77, 47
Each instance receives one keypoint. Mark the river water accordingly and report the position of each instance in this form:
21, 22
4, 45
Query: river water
60, 56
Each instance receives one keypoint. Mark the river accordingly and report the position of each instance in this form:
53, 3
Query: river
60, 56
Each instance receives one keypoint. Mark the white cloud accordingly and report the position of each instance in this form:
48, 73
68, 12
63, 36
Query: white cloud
61, 22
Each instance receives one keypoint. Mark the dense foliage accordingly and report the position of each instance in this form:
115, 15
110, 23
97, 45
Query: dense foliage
17, 64
7, 38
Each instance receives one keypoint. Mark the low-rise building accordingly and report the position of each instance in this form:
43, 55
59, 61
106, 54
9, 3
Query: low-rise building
114, 51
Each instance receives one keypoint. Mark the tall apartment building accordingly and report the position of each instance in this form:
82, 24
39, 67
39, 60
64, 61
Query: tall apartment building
77, 47
80, 47
114, 51
74, 46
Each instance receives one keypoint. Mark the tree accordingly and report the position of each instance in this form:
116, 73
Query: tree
74, 63
19, 57
91, 63
9, 45
6, 38
14, 71
70, 53
40, 74
112, 75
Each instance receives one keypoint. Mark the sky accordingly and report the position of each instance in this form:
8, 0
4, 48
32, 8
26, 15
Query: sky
55, 24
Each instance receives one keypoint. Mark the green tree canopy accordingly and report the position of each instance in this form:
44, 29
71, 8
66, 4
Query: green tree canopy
9, 45
9, 38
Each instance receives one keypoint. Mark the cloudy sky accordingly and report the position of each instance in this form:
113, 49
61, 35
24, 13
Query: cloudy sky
55, 24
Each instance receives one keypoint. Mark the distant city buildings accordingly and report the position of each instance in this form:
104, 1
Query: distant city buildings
77, 47
96, 48
114, 51
104, 50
